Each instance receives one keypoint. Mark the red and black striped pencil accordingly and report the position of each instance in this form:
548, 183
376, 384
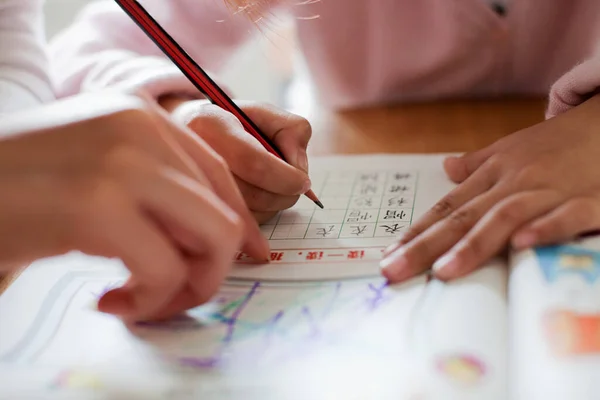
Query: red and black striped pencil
198, 76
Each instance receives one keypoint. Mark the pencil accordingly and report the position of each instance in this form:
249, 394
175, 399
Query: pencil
198, 76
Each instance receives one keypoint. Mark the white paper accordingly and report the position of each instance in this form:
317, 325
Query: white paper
310, 330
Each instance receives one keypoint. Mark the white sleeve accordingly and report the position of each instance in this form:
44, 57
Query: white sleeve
24, 75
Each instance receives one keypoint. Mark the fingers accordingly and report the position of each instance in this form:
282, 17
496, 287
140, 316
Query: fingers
571, 219
153, 132
157, 267
259, 200
211, 230
471, 188
291, 133
493, 232
468, 236
460, 168
418, 255
219, 176
245, 155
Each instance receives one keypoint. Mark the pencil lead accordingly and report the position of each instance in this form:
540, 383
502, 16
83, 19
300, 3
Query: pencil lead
317, 202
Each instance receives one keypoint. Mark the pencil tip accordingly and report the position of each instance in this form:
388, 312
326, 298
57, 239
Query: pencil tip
317, 202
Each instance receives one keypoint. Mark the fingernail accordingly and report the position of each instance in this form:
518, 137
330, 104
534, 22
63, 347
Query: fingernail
447, 262
306, 187
388, 250
394, 264
524, 240
303, 160
115, 302
266, 248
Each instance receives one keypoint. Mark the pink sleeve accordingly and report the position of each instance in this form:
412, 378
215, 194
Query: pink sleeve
575, 87
24, 78
103, 48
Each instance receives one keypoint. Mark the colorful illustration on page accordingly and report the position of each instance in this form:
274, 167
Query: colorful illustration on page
556, 261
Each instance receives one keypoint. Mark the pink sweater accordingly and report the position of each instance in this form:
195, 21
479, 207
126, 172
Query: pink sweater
359, 52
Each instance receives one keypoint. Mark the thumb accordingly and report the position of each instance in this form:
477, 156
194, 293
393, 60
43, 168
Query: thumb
460, 168
290, 133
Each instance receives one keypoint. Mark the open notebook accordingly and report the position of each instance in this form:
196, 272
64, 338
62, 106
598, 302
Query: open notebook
319, 322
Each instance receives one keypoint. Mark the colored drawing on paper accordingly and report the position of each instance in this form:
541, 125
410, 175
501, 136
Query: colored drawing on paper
251, 326
568, 260
76, 379
461, 368
569, 333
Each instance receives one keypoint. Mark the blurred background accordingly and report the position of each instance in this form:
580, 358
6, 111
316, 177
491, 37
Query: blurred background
266, 69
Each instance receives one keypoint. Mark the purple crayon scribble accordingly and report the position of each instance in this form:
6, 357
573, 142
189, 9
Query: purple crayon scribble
212, 362
272, 324
378, 298
200, 363
315, 331
231, 322
327, 310
270, 329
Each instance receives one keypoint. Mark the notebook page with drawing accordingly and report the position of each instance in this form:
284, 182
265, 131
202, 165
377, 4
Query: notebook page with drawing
316, 323
555, 322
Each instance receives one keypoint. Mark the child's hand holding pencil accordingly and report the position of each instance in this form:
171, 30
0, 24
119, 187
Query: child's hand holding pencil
267, 183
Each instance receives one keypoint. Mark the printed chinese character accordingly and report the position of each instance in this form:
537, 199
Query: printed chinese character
364, 202
314, 255
397, 201
394, 214
358, 230
392, 229
372, 176
276, 255
399, 188
325, 232
368, 189
356, 254
400, 176
358, 215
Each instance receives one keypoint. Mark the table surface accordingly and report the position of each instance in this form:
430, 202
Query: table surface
453, 126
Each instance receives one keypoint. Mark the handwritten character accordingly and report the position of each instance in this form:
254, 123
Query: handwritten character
368, 189
372, 176
325, 232
394, 214
397, 201
364, 201
392, 229
399, 188
400, 176
358, 215
358, 230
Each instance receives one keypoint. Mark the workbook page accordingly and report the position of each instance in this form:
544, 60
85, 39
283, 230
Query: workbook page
369, 202
298, 328
555, 322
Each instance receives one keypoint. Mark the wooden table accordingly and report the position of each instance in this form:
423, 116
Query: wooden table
425, 128
455, 126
